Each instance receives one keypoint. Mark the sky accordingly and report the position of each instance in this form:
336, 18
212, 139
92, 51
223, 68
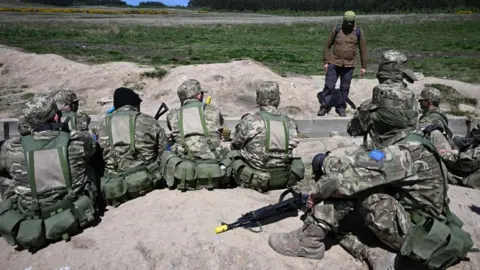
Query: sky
166, 2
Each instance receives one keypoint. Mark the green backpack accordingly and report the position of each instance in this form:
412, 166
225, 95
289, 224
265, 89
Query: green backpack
277, 139
438, 244
31, 225
126, 185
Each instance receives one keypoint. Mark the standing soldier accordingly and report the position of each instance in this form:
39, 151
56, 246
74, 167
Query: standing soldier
339, 61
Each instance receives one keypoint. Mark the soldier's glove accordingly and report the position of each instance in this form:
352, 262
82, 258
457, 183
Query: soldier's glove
429, 129
317, 163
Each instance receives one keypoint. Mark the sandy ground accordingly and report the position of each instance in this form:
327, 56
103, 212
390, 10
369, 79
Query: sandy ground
173, 230
181, 17
231, 85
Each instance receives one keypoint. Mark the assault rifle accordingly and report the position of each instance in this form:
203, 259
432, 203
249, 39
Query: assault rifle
161, 110
283, 207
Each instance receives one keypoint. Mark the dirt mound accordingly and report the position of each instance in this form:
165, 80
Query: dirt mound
231, 85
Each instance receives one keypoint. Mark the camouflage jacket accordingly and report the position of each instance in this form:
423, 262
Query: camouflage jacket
150, 143
408, 171
436, 117
250, 139
197, 144
12, 161
82, 121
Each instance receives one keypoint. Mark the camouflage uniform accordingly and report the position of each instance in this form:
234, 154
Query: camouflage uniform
64, 99
132, 144
386, 187
434, 116
59, 180
196, 135
267, 150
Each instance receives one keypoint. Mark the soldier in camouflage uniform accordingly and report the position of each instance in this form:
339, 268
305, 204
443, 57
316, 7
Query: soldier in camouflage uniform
196, 160
264, 142
431, 115
132, 143
393, 188
52, 195
67, 102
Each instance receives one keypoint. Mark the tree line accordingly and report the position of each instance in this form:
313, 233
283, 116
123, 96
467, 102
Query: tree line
332, 5
67, 3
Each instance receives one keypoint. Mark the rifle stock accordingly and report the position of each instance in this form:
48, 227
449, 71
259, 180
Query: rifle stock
161, 110
292, 205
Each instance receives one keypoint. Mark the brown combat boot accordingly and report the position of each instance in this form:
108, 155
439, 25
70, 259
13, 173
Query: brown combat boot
303, 242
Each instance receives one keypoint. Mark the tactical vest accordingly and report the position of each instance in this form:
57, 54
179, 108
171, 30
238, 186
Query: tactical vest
277, 139
70, 117
434, 242
31, 225
185, 172
122, 186
447, 132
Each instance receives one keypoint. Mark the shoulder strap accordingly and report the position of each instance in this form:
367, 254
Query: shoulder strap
132, 115
267, 118
30, 145
357, 31
431, 148
70, 119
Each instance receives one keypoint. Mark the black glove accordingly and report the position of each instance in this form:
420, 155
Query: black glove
430, 128
317, 163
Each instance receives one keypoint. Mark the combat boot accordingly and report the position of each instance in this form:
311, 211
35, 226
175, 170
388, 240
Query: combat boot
322, 111
380, 259
306, 241
341, 112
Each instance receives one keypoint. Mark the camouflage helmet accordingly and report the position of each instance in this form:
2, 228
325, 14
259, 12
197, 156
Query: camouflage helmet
268, 94
430, 93
392, 67
39, 110
64, 98
189, 89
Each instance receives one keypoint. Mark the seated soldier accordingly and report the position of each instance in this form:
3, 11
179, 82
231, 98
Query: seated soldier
265, 141
132, 144
196, 159
51, 195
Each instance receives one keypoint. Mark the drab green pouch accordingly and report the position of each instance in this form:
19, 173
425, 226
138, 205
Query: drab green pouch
61, 225
185, 173
114, 189
31, 234
138, 183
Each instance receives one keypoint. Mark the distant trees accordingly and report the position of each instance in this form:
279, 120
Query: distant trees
66, 3
152, 4
327, 5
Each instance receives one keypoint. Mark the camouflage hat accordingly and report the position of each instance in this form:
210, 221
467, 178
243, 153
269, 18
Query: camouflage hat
189, 89
39, 110
430, 93
268, 94
349, 16
64, 98
392, 66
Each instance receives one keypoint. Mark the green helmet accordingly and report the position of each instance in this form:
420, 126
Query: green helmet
188, 89
392, 67
268, 94
430, 93
39, 110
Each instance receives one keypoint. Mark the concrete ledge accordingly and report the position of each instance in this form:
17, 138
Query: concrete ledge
310, 127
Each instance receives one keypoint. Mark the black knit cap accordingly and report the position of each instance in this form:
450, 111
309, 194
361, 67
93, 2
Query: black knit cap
125, 96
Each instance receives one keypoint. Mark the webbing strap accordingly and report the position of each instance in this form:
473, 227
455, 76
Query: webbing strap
71, 119
63, 153
132, 115
267, 117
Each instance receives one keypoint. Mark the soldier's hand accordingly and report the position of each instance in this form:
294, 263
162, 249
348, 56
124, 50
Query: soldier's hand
362, 72
325, 67
310, 201
470, 118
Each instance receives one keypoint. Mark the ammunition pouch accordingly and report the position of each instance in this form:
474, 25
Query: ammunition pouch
185, 174
268, 179
437, 244
131, 184
34, 229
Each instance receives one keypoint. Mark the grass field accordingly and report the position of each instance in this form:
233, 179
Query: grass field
449, 48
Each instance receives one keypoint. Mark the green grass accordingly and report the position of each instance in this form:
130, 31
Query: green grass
157, 73
440, 48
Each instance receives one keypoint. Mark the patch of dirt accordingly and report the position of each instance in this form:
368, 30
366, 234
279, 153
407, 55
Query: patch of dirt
231, 85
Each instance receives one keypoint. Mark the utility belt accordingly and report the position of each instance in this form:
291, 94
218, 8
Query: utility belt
186, 174
130, 184
33, 229
438, 244
268, 179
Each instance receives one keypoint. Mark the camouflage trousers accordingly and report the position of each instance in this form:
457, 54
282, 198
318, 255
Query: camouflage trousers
379, 213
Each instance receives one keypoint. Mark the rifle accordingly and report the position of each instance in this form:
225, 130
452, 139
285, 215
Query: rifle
289, 206
161, 110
